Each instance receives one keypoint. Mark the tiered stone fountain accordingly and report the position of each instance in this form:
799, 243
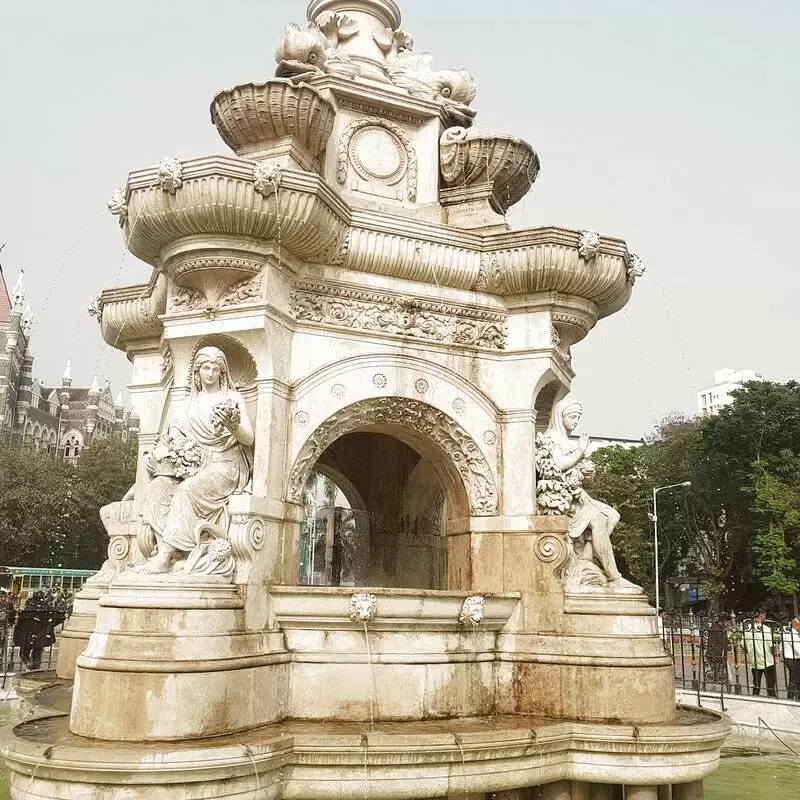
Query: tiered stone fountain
345, 287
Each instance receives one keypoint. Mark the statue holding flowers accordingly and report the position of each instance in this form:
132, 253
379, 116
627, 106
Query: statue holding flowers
203, 459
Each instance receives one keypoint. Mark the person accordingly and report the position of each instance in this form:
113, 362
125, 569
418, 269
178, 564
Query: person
8, 613
590, 521
216, 425
35, 629
716, 652
760, 651
791, 658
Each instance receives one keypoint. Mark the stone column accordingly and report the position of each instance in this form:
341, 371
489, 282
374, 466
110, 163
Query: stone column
687, 791
665, 792
641, 793
561, 790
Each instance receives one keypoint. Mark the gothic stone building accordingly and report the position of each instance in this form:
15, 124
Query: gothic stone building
60, 420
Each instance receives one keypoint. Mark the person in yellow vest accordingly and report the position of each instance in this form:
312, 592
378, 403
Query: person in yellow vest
760, 651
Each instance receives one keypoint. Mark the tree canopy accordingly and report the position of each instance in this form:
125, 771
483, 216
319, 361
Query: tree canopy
49, 509
740, 520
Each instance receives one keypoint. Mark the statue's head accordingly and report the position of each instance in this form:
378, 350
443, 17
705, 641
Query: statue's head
210, 369
571, 414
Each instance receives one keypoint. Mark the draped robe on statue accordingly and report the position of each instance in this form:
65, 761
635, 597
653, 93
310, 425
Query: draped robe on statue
173, 508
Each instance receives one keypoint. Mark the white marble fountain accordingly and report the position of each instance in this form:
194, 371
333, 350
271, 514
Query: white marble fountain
343, 295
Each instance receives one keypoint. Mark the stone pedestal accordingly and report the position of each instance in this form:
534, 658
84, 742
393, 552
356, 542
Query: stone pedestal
177, 658
641, 793
78, 628
562, 790
688, 791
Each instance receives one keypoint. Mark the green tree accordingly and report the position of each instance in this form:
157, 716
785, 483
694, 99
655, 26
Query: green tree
49, 509
741, 518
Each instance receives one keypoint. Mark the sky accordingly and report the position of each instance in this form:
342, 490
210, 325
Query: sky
672, 124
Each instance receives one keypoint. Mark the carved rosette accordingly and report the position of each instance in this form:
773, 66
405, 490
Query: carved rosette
454, 442
369, 311
379, 151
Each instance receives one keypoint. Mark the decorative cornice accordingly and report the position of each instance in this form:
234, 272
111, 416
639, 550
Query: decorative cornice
218, 198
401, 316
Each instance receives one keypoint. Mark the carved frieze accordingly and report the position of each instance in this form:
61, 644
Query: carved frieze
350, 308
243, 293
186, 300
464, 454
167, 362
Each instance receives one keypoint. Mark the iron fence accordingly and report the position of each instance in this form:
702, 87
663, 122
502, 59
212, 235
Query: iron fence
734, 654
28, 637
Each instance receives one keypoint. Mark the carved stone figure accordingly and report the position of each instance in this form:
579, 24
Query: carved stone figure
203, 459
455, 89
562, 468
636, 268
303, 54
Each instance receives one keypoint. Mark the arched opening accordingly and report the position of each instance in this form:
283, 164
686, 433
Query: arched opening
375, 515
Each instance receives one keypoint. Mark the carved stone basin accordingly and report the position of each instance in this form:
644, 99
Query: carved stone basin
252, 116
508, 165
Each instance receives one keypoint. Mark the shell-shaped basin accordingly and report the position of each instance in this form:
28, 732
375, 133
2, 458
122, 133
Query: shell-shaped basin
252, 116
509, 165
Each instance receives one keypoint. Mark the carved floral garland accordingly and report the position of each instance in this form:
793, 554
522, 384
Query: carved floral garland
349, 308
463, 452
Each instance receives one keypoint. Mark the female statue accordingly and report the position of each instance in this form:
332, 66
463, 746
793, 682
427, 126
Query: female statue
204, 459
562, 467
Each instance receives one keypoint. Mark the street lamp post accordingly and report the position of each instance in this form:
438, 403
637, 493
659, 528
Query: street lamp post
684, 485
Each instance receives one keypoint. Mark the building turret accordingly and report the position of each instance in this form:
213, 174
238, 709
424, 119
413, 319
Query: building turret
66, 383
24, 393
20, 294
133, 425
92, 409
27, 322
119, 416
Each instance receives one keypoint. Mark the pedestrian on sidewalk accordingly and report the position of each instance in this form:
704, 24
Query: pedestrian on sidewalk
791, 658
760, 650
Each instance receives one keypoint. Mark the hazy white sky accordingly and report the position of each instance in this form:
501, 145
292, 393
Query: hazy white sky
673, 124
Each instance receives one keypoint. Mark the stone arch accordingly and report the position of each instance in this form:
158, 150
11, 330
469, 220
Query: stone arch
463, 470
549, 390
345, 484
244, 371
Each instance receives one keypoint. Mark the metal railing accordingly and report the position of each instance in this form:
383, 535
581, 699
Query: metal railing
28, 638
734, 654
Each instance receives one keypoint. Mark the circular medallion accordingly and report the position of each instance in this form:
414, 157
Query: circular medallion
339, 390
301, 418
377, 154
380, 381
421, 386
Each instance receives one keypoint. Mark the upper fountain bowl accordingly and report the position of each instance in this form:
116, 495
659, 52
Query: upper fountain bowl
507, 164
253, 117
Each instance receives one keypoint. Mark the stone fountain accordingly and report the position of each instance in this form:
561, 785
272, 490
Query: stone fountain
342, 291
